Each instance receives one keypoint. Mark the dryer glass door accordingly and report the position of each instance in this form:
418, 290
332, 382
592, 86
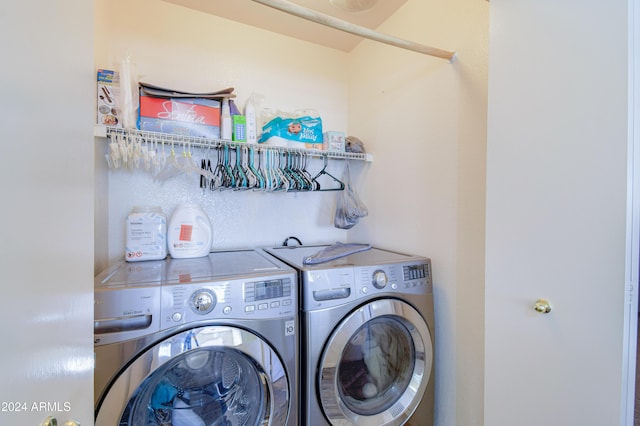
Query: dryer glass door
204, 376
376, 366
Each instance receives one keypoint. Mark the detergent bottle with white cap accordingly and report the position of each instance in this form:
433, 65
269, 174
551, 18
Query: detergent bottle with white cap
189, 233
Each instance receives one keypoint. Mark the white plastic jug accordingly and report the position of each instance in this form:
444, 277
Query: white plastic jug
189, 233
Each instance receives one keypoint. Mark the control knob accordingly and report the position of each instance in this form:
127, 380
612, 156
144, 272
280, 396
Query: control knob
380, 279
203, 301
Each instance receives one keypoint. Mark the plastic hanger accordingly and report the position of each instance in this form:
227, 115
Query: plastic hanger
325, 172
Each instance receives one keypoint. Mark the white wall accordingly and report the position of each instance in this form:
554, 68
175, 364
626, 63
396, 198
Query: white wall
190, 50
425, 119
46, 262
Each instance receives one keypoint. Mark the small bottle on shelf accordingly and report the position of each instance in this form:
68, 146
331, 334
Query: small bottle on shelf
225, 121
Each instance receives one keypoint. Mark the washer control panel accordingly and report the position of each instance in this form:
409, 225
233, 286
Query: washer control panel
255, 298
269, 294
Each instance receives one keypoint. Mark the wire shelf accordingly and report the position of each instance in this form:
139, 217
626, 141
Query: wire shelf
202, 142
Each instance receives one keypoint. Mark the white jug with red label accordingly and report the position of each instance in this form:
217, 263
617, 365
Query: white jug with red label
189, 233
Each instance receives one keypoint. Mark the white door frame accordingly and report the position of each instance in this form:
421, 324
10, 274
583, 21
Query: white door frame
632, 261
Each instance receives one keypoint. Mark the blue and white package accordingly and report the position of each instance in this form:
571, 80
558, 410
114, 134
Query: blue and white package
306, 129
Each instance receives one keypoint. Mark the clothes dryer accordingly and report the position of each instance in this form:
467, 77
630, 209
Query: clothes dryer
206, 341
367, 341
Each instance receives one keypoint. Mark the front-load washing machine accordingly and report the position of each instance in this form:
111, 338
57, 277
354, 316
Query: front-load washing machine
367, 341
206, 341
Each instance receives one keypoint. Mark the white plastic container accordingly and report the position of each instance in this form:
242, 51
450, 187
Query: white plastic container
252, 122
146, 230
225, 121
189, 233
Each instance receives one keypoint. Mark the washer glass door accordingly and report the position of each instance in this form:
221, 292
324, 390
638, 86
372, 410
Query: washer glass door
204, 376
376, 365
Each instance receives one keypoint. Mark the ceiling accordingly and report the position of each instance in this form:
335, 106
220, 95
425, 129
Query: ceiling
261, 16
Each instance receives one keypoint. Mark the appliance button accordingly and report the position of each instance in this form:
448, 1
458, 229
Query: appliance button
364, 290
249, 308
286, 302
226, 310
263, 306
176, 317
275, 304
394, 286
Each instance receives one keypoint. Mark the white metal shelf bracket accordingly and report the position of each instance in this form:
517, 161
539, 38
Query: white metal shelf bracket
348, 27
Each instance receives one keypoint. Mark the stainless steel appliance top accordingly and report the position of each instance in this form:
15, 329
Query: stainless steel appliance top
217, 265
295, 255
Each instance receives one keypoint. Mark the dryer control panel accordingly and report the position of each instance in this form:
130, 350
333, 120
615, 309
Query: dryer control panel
323, 288
408, 278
